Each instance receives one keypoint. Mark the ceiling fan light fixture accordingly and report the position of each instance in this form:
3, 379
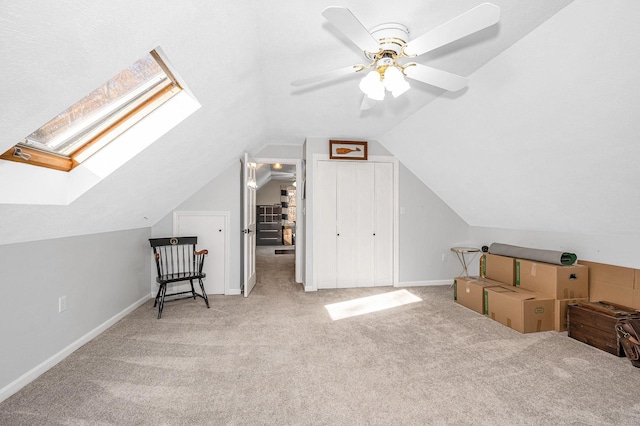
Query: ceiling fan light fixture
377, 95
385, 77
369, 81
372, 86
400, 88
392, 78
394, 81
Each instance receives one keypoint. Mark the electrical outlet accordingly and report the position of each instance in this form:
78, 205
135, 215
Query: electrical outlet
62, 304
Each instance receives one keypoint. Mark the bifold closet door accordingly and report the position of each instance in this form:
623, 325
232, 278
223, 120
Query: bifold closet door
355, 224
325, 214
383, 220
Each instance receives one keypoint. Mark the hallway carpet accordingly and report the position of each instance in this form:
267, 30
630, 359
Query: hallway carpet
278, 358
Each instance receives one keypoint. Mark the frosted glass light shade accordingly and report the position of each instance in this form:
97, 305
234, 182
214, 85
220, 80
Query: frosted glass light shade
372, 86
395, 82
392, 78
402, 87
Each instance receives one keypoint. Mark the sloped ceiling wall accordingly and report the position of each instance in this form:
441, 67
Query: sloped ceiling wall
54, 53
546, 137
238, 59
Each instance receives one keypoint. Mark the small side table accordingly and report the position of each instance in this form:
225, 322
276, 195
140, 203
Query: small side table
460, 252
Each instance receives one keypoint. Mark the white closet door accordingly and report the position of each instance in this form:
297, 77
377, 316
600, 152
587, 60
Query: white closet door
325, 218
355, 227
211, 230
383, 211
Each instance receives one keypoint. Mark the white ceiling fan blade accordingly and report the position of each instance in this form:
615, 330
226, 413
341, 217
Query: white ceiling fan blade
327, 76
435, 77
474, 20
348, 24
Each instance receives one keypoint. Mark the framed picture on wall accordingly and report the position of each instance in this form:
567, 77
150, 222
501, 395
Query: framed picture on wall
347, 150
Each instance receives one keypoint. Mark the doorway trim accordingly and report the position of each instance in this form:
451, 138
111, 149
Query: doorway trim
300, 216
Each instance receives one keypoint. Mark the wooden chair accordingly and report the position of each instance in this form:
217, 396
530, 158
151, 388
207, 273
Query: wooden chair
177, 260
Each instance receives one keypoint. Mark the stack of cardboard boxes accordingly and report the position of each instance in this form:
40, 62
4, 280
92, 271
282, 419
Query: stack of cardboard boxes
522, 294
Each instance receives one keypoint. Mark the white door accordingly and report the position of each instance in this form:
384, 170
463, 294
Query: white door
384, 238
249, 223
355, 228
325, 231
211, 230
354, 224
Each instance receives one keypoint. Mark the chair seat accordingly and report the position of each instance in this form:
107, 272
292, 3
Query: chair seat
183, 276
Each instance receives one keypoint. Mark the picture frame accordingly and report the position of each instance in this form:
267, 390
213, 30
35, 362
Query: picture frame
348, 150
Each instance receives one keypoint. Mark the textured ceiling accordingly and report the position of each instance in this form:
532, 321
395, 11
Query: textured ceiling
301, 43
238, 59
547, 140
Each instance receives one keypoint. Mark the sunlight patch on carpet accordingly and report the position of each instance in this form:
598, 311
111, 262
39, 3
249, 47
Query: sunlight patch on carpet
369, 304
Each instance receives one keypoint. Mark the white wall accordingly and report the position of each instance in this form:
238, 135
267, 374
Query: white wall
103, 276
428, 229
223, 193
621, 250
270, 192
293, 152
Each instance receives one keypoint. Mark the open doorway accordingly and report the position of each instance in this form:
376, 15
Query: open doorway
279, 216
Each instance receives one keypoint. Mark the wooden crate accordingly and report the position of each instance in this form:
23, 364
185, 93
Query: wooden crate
594, 323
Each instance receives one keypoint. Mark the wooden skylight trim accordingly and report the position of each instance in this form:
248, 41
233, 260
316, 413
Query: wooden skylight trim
101, 133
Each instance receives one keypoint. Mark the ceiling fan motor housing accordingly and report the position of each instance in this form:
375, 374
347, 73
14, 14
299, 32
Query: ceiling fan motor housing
391, 36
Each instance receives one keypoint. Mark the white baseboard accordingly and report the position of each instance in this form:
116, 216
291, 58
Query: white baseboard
233, 292
44, 366
425, 283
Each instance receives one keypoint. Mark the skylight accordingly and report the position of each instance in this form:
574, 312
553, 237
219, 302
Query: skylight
95, 120
97, 135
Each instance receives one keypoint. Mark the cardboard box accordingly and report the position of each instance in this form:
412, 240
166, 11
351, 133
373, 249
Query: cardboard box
613, 284
469, 292
556, 281
498, 268
560, 313
522, 310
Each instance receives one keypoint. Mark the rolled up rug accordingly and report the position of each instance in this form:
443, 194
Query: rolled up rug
547, 256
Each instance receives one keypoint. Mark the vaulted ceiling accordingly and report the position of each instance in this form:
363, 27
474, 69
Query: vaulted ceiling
546, 119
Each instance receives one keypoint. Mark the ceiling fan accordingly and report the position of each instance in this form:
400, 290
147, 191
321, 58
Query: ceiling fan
387, 44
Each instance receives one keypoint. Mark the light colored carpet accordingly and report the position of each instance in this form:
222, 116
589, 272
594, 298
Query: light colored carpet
278, 358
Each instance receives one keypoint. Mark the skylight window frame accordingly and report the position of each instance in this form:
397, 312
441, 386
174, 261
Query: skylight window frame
115, 121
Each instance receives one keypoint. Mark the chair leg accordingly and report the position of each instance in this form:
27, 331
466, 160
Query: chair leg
155, 302
204, 293
193, 291
161, 293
